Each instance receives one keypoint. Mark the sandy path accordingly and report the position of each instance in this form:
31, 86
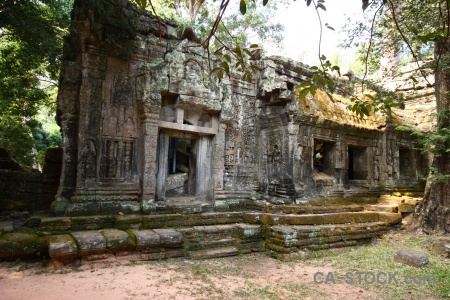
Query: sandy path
245, 277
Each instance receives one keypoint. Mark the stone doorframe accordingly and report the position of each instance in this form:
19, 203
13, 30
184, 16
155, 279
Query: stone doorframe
202, 154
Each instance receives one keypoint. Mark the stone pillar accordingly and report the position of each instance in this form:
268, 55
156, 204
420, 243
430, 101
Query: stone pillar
204, 188
219, 157
163, 153
148, 158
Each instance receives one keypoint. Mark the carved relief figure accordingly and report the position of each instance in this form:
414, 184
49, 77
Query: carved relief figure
90, 159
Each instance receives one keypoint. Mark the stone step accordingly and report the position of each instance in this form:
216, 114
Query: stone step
67, 224
301, 209
322, 219
383, 207
214, 253
285, 242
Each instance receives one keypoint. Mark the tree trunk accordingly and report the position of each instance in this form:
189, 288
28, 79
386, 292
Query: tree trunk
435, 208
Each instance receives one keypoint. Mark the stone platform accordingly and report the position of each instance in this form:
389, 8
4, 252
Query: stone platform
289, 233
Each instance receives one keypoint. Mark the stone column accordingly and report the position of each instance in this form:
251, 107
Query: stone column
149, 134
219, 157
163, 156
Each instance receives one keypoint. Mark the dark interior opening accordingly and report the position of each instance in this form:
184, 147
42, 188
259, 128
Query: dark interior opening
406, 162
179, 153
357, 163
180, 174
290, 86
323, 158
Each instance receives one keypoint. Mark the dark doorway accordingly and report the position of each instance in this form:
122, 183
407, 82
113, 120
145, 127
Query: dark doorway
357, 163
323, 157
178, 167
406, 162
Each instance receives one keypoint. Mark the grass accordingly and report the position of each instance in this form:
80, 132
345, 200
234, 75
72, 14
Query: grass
378, 257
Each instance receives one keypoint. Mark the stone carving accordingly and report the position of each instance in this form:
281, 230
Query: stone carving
90, 160
265, 141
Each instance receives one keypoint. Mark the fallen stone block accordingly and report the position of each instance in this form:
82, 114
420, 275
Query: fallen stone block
442, 248
89, 242
62, 248
412, 258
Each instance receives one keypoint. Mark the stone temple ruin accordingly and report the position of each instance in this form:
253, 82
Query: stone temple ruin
144, 124
151, 141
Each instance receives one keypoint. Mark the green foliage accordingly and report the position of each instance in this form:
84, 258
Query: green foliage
322, 78
31, 41
15, 136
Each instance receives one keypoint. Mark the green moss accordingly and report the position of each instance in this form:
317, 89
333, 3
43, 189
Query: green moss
16, 245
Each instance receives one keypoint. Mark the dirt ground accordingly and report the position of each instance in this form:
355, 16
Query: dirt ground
254, 276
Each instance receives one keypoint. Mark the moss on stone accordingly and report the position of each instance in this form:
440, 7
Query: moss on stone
16, 245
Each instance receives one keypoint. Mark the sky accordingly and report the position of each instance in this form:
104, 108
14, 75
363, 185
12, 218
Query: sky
301, 34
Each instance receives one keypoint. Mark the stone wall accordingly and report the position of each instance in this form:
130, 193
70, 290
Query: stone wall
131, 89
25, 189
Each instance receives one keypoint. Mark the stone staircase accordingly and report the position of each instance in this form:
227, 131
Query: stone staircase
283, 231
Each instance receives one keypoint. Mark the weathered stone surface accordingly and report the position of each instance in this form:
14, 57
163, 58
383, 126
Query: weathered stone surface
55, 224
6, 226
442, 247
247, 138
406, 207
128, 222
62, 247
248, 232
89, 242
170, 238
17, 245
91, 223
117, 240
145, 239
221, 252
411, 257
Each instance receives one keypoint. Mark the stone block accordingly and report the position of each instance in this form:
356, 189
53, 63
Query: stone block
442, 248
89, 242
117, 240
411, 257
128, 222
145, 239
17, 245
62, 247
92, 223
6, 226
248, 232
214, 253
406, 207
393, 208
170, 238
253, 218
55, 224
